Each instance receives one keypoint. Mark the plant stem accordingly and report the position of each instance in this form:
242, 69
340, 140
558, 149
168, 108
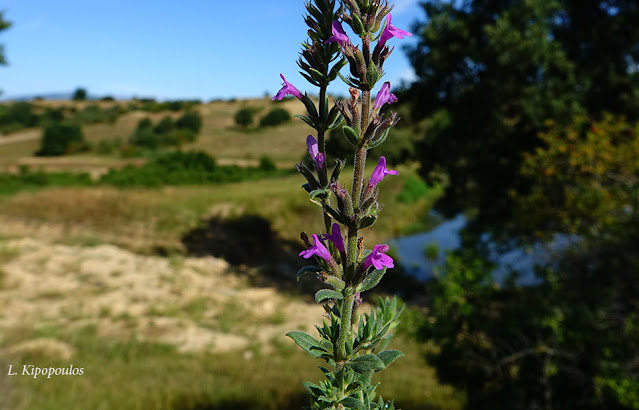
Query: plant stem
345, 327
323, 174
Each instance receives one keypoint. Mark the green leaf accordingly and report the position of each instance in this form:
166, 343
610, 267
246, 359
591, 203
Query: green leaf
335, 214
324, 294
379, 141
389, 356
307, 342
352, 403
371, 280
306, 119
351, 135
367, 221
321, 193
339, 166
308, 269
313, 389
358, 26
367, 363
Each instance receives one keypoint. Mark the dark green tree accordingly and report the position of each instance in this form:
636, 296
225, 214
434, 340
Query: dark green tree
60, 139
80, 94
191, 120
4, 24
490, 73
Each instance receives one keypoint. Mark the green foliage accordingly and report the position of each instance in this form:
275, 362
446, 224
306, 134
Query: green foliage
496, 71
181, 168
568, 342
244, 117
367, 352
16, 116
166, 133
165, 125
267, 164
191, 120
26, 178
80, 94
4, 24
60, 139
150, 105
585, 178
414, 189
93, 114
276, 116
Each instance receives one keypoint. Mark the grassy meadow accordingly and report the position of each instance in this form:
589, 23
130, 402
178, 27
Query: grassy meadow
105, 278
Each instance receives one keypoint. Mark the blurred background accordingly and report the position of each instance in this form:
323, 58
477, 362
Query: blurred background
150, 212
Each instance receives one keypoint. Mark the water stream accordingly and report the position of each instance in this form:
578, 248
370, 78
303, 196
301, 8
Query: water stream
412, 250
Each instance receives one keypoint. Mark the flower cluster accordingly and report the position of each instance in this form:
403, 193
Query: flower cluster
341, 261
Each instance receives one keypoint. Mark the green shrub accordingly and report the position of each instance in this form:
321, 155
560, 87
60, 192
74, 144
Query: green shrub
80, 94
267, 164
18, 116
190, 121
60, 139
275, 117
165, 125
182, 168
245, 117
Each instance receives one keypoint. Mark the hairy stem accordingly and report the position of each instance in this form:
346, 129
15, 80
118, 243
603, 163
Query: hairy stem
345, 327
323, 174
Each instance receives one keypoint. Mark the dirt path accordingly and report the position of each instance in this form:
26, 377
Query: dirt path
21, 136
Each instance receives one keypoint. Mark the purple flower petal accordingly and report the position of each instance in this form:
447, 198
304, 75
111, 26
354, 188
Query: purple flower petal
339, 35
336, 238
313, 150
391, 31
287, 89
380, 172
384, 96
378, 258
317, 249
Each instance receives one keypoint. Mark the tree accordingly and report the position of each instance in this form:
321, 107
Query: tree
572, 340
61, 139
80, 94
490, 73
191, 120
244, 117
4, 24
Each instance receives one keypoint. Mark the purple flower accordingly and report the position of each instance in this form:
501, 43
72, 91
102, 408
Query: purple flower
358, 299
287, 89
378, 258
339, 35
313, 149
336, 238
380, 172
384, 96
317, 249
391, 31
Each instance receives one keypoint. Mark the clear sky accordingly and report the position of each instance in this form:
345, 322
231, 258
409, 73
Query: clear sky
165, 49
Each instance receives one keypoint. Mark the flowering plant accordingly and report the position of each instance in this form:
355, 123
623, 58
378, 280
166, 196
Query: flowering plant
344, 265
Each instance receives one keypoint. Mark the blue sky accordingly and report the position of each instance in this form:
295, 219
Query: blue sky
165, 49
